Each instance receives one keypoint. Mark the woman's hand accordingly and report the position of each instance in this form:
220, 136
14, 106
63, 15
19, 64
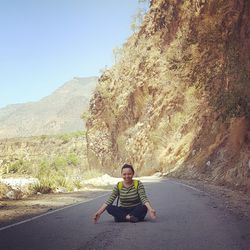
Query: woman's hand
152, 213
96, 217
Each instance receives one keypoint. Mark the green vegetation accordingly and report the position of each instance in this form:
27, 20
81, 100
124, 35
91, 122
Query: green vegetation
44, 187
52, 177
232, 104
85, 115
60, 162
23, 167
234, 101
226, 76
64, 136
92, 173
68, 136
118, 53
137, 20
17, 167
64, 171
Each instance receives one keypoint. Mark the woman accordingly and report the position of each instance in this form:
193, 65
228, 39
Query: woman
134, 203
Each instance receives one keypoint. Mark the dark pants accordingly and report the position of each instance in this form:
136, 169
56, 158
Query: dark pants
120, 213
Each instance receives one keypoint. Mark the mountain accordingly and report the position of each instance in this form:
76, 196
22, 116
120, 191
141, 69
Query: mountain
57, 113
178, 101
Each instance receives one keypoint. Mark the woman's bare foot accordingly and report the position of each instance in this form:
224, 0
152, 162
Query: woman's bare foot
128, 217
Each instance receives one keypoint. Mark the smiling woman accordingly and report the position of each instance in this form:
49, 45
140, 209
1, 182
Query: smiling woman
134, 203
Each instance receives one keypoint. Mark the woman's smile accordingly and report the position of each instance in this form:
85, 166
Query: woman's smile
127, 175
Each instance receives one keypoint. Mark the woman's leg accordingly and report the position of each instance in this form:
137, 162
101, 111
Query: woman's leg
118, 213
139, 212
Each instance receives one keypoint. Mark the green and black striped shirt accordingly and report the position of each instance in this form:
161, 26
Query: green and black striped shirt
130, 196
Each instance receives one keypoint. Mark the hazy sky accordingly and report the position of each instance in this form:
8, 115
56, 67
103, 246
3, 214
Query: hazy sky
45, 43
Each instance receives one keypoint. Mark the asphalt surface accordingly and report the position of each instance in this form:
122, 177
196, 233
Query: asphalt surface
187, 219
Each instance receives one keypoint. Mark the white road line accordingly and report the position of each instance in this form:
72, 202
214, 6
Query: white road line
51, 212
185, 185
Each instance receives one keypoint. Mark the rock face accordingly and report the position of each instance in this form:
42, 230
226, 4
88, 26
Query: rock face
178, 101
59, 112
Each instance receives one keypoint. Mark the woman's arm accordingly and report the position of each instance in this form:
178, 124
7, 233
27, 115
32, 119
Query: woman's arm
145, 200
97, 215
110, 200
151, 210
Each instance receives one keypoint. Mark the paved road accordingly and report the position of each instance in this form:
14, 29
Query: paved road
187, 220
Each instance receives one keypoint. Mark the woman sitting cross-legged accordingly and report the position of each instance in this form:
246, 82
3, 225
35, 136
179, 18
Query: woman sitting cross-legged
134, 203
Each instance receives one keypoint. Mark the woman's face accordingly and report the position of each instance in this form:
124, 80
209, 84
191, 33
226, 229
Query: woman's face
127, 174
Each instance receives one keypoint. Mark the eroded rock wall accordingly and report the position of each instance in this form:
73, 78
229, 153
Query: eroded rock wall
178, 99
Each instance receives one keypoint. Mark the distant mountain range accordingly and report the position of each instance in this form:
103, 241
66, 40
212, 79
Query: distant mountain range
59, 112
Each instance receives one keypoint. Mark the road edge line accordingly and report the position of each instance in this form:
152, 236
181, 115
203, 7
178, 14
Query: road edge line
185, 185
47, 213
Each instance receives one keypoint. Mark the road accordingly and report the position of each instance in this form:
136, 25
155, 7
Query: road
187, 219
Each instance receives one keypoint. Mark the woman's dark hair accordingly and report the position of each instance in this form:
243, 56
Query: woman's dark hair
128, 166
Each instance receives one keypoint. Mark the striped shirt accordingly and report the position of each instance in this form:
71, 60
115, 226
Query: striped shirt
129, 196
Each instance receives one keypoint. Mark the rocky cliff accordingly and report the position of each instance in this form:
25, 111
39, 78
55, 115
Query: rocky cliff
59, 112
178, 100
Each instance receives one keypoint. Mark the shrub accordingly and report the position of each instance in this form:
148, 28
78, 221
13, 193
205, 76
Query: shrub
232, 104
14, 167
44, 187
58, 162
72, 159
89, 174
77, 183
68, 136
3, 190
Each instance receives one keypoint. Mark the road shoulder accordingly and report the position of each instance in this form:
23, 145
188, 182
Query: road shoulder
13, 211
236, 202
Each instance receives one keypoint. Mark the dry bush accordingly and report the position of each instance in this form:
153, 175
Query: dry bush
18, 194
3, 190
148, 171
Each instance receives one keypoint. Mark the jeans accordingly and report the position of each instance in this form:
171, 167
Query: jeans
120, 213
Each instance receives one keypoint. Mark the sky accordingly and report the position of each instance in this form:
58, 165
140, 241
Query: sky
45, 43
